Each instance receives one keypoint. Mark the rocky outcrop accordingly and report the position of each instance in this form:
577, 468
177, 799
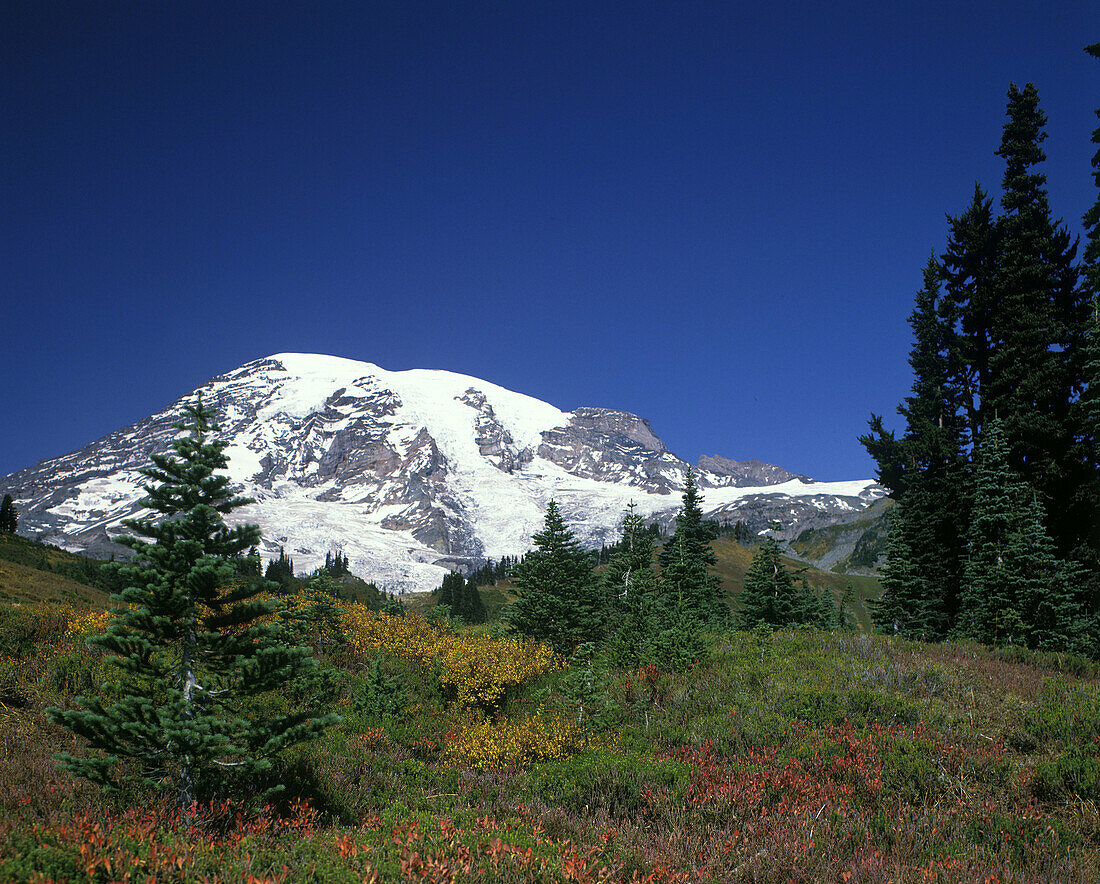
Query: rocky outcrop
409, 473
719, 472
494, 442
613, 446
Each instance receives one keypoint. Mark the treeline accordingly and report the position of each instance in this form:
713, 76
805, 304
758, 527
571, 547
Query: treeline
458, 598
334, 578
996, 536
492, 572
651, 603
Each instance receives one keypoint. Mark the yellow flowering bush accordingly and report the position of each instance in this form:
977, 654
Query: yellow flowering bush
540, 737
478, 667
83, 623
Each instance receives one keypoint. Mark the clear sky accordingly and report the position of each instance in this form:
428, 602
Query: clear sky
711, 214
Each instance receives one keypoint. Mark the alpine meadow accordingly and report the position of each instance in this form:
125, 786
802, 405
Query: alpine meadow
527, 645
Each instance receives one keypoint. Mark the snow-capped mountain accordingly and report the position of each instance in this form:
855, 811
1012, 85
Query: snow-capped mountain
411, 473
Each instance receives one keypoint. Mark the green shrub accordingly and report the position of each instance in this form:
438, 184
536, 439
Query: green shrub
813, 706
608, 781
909, 770
1073, 774
79, 671
871, 707
25, 630
1066, 714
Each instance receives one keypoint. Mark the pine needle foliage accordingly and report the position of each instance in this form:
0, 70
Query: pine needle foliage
558, 598
1002, 334
9, 518
196, 649
685, 561
1015, 589
771, 597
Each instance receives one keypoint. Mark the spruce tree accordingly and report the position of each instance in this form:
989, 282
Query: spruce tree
1091, 263
827, 617
926, 469
685, 560
769, 595
1035, 369
631, 591
558, 600
909, 604
633, 556
451, 590
473, 608
281, 570
1005, 339
1088, 406
970, 305
1015, 588
194, 648
9, 519
844, 617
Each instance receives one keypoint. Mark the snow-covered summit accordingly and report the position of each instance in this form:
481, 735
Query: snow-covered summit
409, 473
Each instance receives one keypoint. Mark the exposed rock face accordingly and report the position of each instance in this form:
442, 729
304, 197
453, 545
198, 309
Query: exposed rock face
719, 472
613, 446
494, 442
411, 473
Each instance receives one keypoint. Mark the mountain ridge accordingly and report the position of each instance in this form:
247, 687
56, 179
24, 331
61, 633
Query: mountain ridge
410, 473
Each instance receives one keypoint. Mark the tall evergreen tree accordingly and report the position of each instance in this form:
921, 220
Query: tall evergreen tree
194, 646
280, 570
1015, 588
632, 592
632, 558
769, 594
558, 600
1088, 405
926, 470
9, 518
910, 604
451, 591
685, 560
1005, 339
1091, 268
473, 607
1036, 358
970, 306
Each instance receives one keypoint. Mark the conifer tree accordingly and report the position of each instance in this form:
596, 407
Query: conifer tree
194, 647
1091, 263
558, 600
473, 607
9, 519
281, 570
826, 614
769, 594
1088, 406
909, 605
451, 590
926, 468
1015, 588
631, 591
1005, 339
844, 617
685, 560
1035, 369
633, 556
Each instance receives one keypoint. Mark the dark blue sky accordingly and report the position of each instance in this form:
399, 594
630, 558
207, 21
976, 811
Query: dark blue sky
714, 215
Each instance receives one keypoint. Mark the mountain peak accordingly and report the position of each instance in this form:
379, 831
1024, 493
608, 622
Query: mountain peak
409, 473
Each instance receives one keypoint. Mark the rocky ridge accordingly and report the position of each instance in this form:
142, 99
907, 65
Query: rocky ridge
411, 473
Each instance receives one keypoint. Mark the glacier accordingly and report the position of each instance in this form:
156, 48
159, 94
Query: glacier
411, 473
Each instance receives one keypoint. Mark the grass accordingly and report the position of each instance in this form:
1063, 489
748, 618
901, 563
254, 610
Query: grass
36, 572
733, 561
786, 756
